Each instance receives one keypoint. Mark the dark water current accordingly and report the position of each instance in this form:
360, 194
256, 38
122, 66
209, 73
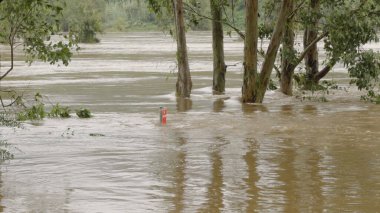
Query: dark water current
214, 155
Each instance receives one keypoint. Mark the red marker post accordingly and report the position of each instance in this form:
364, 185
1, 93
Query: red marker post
163, 114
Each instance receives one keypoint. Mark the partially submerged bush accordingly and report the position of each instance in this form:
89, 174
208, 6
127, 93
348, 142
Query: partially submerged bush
36, 112
83, 113
8, 120
272, 85
59, 112
5, 153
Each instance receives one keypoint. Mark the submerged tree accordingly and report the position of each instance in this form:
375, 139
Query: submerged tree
184, 84
175, 7
217, 18
343, 25
255, 85
288, 56
219, 66
250, 77
85, 18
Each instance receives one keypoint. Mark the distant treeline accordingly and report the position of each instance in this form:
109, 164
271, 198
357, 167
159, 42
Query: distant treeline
92, 16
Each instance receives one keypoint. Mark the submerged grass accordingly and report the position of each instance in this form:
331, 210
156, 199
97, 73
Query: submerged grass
5, 153
7, 120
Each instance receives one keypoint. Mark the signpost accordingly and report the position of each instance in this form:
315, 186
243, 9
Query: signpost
163, 114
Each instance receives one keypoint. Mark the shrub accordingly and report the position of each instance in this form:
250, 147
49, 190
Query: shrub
36, 112
83, 113
5, 154
59, 112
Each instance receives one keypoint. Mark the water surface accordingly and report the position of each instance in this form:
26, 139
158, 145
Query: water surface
214, 155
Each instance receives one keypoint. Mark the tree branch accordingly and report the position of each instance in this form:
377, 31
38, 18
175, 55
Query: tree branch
239, 32
262, 54
8, 105
325, 70
191, 9
294, 12
307, 49
11, 43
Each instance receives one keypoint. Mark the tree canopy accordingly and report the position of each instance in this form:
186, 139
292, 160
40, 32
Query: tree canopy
34, 25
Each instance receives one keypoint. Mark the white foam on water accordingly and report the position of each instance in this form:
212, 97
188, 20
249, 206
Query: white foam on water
53, 81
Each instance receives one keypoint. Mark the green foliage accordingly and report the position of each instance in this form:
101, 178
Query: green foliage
83, 113
365, 69
300, 79
160, 7
329, 84
349, 25
59, 112
84, 18
349, 28
36, 112
33, 24
265, 30
303, 83
272, 85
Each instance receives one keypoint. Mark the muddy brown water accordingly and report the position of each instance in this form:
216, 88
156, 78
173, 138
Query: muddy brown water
214, 155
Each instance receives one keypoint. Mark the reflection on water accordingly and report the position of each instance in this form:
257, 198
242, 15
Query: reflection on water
214, 155
1, 194
251, 108
310, 109
218, 105
287, 110
179, 178
252, 179
184, 104
214, 195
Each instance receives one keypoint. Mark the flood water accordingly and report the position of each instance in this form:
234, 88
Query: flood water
214, 155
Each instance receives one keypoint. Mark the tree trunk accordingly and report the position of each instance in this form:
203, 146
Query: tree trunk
184, 84
270, 57
250, 79
12, 47
219, 72
310, 34
287, 58
324, 71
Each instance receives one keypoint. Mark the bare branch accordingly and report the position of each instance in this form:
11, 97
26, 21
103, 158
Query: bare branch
191, 9
8, 105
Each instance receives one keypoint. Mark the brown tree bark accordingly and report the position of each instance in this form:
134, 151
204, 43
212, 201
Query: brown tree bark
270, 57
184, 84
219, 68
250, 79
287, 64
310, 34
